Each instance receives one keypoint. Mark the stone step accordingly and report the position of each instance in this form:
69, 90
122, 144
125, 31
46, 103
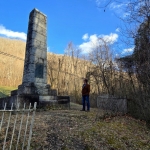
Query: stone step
47, 98
63, 101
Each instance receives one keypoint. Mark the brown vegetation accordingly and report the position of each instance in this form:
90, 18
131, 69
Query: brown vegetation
11, 68
65, 72
55, 128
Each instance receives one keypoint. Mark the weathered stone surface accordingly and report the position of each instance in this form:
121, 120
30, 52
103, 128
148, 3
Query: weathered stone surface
18, 99
36, 35
36, 13
38, 22
112, 103
35, 67
36, 27
36, 44
47, 98
53, 92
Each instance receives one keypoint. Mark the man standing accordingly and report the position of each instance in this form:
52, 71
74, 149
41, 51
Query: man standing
85, 95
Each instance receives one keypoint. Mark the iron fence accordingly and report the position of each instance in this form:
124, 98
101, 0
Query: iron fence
16, 127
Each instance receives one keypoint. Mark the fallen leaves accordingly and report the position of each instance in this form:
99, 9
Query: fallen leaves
73, 129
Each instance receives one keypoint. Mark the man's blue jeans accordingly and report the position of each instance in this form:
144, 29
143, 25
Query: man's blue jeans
85, 100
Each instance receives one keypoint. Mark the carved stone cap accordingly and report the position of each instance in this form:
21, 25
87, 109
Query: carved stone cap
36, 11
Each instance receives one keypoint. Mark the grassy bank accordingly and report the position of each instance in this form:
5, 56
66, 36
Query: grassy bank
5, 91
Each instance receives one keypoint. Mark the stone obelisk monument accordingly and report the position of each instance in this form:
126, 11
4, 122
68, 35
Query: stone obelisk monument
34, 87
35, 66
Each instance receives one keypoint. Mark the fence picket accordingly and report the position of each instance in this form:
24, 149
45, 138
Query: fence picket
26, 127
20, 126
2, 117
31, 126
7, 128
19, 136
14, 128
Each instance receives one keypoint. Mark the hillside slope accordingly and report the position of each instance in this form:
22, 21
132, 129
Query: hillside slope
11, 68
64, 73
5, 91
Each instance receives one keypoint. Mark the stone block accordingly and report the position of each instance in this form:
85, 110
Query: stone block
35, 35
27, 90
47, 98
53, 92
30, 59
34, 51
41, 55
39, 29
14, 92
38, 54
37, 44
38, 22
42, 88
39, 81
36, 13
28, 77
31, 66
39, 37
112, 104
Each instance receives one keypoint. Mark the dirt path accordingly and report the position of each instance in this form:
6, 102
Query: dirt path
63, 129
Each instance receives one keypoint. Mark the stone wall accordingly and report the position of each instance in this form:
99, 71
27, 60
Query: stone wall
112, 104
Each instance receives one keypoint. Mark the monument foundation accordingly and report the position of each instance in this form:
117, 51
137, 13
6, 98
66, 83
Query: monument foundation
34, 87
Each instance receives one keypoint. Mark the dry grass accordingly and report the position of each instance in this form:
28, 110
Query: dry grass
5, 91
73, 129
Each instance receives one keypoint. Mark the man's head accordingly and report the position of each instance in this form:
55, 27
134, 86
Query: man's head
85, 81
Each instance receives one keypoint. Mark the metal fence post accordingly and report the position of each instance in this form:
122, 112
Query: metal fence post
12, 122
26, 127
2, 117
14, 128
20, 126
31, 126
7, 127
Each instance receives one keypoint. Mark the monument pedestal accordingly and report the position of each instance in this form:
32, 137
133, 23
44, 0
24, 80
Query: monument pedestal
33, 89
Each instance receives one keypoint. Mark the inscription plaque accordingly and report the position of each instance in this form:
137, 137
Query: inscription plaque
39, 70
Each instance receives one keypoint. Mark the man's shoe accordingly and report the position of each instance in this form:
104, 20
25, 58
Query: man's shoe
87, 110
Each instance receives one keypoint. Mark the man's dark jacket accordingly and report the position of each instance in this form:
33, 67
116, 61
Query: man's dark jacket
86, 89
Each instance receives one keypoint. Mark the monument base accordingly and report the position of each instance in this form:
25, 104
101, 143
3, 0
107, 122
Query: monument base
35, 90
18, 99
26, 98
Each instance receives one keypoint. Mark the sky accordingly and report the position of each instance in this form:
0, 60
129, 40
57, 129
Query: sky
81, 22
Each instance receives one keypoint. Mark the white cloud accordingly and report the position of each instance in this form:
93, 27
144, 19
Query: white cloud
116, 6
127, 50
95, 40
85, 37
12, 34
119, 8
117, 30
111, 38
97, 2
